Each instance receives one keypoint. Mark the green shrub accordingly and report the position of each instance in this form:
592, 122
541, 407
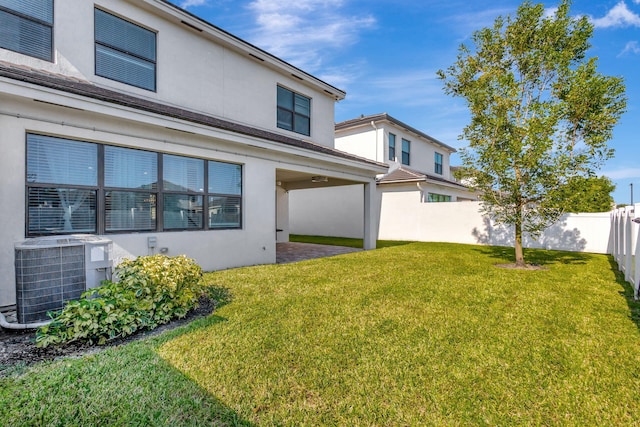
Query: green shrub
149, 291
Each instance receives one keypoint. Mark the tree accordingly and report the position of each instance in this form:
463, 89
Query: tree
541, 114
592, 194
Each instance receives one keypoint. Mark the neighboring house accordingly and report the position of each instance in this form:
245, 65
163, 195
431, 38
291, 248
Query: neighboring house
419, 172
137, 121
417, 161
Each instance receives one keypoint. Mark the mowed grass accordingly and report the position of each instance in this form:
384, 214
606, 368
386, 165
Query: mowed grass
415, 334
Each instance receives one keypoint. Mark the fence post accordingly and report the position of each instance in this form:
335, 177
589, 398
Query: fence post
628, 246
614, 234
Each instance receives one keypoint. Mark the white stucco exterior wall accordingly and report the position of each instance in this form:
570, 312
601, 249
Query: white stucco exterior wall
209, 72
212, 75
403, 216
212, 249
331, 211
365, 142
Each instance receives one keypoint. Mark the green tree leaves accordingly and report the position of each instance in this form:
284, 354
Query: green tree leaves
541, 114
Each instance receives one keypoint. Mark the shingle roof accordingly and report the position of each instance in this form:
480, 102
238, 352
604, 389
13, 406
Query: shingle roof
365, 120
85, 88
404, 174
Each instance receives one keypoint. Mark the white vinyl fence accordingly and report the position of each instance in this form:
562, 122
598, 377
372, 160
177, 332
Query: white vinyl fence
626, 244
401, 215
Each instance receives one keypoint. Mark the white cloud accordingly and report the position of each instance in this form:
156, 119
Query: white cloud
467, 23
631, 47
302, 32
618, 16
623, 173
189, 3
550, 12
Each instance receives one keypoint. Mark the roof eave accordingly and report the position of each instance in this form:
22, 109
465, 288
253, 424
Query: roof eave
239, 45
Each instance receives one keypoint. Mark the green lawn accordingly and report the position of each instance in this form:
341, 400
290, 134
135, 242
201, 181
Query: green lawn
323, 240
413, 334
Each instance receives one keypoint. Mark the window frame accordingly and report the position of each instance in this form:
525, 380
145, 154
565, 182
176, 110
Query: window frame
392, 147
406, 154
125, 52
292, 111
153, 191
438, 198
438, 163
32, 19
100, 192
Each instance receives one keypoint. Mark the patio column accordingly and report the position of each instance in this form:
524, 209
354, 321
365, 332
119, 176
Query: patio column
370, 232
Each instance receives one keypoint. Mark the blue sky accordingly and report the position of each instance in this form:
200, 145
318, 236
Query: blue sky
385, 54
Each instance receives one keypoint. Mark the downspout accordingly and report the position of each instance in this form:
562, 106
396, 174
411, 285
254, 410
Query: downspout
423, 193
373, 124
20, 326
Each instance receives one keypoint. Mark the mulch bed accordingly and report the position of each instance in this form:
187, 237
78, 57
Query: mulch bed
19, 347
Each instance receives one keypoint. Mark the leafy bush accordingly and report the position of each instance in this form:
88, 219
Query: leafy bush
149, 291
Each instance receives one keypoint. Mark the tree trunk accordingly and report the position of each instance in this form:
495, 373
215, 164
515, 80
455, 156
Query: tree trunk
518, 245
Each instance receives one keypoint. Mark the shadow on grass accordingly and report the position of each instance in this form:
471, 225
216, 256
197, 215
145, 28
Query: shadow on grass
535, 256
627, 292
220, 413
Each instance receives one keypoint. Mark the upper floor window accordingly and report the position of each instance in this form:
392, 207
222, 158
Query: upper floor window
438, 163
294, 111
392, 147
406, 152
26, 26
125, 52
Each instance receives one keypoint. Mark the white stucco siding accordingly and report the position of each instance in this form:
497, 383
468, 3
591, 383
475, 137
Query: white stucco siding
331, 211
365, 142
373, 143
402, 216
99, 122
193, 69
422, 152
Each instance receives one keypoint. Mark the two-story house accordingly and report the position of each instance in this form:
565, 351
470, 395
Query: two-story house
136, 121
419, 172
413, 156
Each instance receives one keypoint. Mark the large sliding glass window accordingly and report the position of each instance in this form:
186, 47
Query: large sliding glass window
82, 187
26, 26
294, 111
125, 52
62, 183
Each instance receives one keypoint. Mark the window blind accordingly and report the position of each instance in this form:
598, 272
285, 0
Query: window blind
183, 174
125, 51
26, 26
61, 161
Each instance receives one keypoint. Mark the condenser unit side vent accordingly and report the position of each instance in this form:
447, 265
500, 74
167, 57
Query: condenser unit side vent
53, 270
